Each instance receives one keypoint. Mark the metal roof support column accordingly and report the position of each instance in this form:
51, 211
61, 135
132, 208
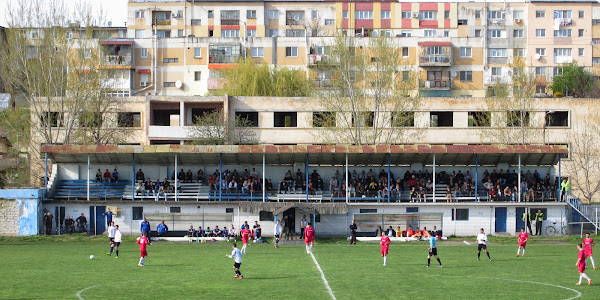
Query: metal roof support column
176, 177
132, 176
88, 179
476, 179
389, 185
263, 178
306, 177
519, 180
220, 176
433, 178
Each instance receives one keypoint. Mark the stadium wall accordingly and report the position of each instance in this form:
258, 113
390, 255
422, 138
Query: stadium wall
19, 211
480, 215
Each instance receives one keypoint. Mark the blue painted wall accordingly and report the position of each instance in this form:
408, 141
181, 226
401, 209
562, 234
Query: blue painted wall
28, 216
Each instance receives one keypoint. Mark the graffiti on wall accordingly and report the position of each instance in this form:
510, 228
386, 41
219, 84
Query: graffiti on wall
28, 216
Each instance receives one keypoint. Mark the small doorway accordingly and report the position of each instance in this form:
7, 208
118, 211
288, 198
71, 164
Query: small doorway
501, 219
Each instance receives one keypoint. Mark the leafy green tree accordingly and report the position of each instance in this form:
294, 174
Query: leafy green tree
575, 80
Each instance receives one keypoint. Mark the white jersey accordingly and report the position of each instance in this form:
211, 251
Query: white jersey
277, 229
303, 223
118, 236
482, 239
232, 231
236, 254
111, 231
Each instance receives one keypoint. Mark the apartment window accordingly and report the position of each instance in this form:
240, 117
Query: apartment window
562, 55
562, 14
251, 14
496, 71
139, 14
517, 118
519, 52
441, 119
180, 32
195, 22
580, 51
518, 15
428, 15
273, 14
541, 71
363, 119
465, 52
540, 14
403, 119
90, 119
144, 53
580, 32
460, 214
477, 32
251, 32
273, 32
197, 75
497, 33
345, 14
285, 119
137, 213
162, 15
129, 119
215, 74
406, 15
446, 33
496, 15
518, 33
385, 32
557, 71
211, 14
477, 14
323, 50
295, 32
163, 33
429, 32
405, 76
446, 14
232, 33
170, 60
406, 33
87, 53
294, 17
265, 216
363, 14
562, 33
198, 52
466, 76
540, 32
291, 51
258, 52
540, 51
463, 22
404, 51
211, 32
581, 14
540, 89
386, 14
329, 22
479, 119
497, 52
324, 119
51, 119
139, 34
175, 209
557, 118
250, 118
168, 84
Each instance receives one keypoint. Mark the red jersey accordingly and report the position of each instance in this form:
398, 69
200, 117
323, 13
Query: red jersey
409, 232
309, 234
523, 236
587, 243
142, 241
245, 235
582, 257
385, 241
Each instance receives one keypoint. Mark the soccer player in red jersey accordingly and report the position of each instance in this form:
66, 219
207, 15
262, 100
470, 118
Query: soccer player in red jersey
143, 241
581, 265
309, 237
385, 246
523, 237
245, 233
587, 246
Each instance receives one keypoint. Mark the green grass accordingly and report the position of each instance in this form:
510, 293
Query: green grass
59, 267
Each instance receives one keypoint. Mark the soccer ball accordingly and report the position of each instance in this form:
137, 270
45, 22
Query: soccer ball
91, 257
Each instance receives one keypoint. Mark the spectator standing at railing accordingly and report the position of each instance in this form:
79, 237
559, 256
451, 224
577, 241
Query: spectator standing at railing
565, 185
47, 220
353, 229
539, 219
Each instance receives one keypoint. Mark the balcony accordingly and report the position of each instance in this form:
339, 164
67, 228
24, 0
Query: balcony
442, 85
435, 54
224, 53
320, 60
167, 132
117, 53
117, 60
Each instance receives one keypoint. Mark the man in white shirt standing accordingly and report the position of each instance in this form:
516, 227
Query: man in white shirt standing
482, 244
236, 254
117, 241
111, 237
303, 226
276, 233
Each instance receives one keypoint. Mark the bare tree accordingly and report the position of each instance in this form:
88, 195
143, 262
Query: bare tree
211, 128
364, 100
584, 164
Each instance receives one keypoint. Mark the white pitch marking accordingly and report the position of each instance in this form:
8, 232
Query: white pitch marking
466, 243
323, 277
78, 294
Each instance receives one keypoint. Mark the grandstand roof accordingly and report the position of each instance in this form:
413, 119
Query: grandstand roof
318, 154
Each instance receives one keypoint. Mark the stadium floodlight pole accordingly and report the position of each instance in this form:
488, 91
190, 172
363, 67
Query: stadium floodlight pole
389, 177
263, 178
176, 157
88, 181
347, 182
519, 180
306, 178
132, 176
433, 178
220, 176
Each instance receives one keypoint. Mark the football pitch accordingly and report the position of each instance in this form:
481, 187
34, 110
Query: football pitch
60, 268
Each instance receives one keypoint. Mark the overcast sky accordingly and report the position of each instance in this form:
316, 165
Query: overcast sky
115, 10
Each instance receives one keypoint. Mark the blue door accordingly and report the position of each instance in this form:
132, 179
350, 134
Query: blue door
519, 217
100, 219
500, 219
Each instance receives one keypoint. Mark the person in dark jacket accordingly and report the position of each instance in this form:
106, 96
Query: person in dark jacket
353, 229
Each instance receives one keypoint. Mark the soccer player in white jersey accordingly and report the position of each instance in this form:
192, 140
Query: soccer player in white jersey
111, 237
482, 244
236, 254
117, 242
276, 233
